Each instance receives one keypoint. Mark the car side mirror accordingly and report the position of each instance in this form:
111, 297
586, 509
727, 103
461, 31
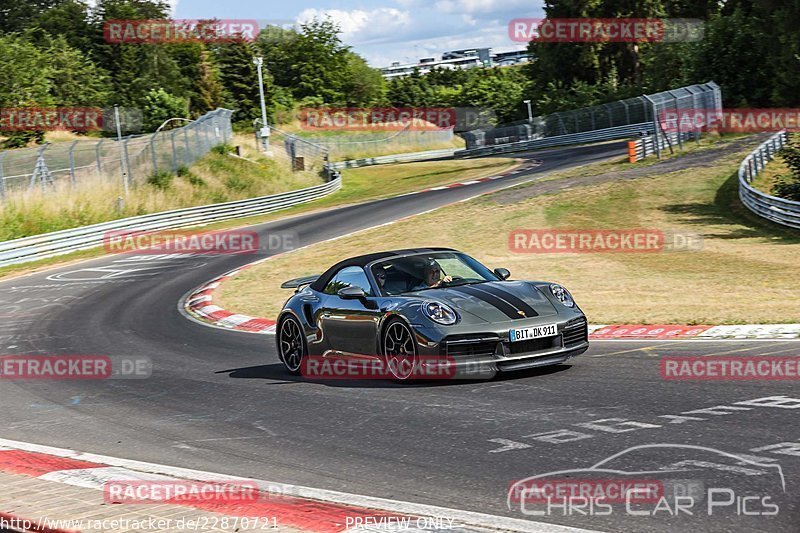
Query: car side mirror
351, 293
502, 273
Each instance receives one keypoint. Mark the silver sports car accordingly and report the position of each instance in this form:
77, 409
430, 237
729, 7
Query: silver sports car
416, 312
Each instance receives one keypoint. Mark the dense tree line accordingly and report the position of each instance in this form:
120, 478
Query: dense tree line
53, 52
751, 48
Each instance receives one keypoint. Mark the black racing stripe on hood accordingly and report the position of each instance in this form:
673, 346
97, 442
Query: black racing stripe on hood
519, 303
509, 310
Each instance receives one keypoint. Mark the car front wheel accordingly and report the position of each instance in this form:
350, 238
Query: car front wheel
399, 350
291, 344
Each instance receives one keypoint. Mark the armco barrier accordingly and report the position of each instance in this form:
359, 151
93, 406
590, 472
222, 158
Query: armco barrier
654, 144
607, 134
394, 158
779, 210
66, 241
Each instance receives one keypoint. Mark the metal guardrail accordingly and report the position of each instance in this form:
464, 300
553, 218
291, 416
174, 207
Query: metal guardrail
654, 144
85, 162
607, 134
394, 158
66, 241
779, 210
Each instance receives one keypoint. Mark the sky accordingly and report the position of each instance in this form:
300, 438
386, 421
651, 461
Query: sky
383, 31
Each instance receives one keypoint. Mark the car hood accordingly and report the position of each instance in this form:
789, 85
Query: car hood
499, 301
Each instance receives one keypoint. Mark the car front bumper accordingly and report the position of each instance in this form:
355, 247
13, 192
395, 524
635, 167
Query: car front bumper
481, 354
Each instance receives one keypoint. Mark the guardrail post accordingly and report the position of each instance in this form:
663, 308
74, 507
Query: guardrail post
678, 124
2, 178
127, 172
97, 156
655, 125
174, 152
72, 178
188, 149
153, 153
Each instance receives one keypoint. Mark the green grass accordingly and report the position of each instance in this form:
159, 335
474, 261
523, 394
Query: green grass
361, 184
746, 271
218, 177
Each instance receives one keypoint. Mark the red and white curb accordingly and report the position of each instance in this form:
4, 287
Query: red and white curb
671, 331
200, 304
304, 508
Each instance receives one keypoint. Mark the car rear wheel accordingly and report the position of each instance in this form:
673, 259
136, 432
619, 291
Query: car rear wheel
291, 344
400, 351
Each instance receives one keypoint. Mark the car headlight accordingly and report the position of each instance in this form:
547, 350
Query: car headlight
440, 313
562, 295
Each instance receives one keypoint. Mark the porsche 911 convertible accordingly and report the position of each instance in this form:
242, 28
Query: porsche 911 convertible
412, 308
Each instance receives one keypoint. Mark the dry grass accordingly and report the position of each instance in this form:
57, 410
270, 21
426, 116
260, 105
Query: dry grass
359, 185
765, 181
393, 143
215, 178
746, 272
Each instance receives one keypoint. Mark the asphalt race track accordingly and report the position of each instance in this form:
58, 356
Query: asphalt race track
220, 401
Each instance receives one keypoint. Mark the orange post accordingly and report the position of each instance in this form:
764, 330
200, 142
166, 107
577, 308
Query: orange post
632, 151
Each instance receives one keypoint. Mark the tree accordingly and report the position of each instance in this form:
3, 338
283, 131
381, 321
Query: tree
68, 19
497, 89
160, 106
735, 54
136, 68
240, 78
363, 85
203, 79
74, 79
18, 15
26, 82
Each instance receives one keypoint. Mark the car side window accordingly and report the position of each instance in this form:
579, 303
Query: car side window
349, 277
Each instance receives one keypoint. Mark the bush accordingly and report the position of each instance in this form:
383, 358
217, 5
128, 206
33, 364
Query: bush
191, 177
222, 149
161, 180
791, 155
238, 183
787, 187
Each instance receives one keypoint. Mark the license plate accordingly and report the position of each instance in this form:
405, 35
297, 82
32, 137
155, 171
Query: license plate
533, 332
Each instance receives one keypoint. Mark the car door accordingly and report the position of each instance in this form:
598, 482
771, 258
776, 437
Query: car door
351, 326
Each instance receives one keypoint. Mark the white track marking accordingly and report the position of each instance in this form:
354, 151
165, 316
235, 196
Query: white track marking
135, 469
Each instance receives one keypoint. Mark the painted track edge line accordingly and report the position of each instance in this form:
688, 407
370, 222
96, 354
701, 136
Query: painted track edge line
470, 518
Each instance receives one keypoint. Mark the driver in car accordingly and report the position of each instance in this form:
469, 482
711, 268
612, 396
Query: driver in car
432, 276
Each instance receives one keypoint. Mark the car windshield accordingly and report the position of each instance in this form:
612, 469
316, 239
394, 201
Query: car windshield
428, 271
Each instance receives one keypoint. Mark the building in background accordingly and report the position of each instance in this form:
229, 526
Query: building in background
457, 59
